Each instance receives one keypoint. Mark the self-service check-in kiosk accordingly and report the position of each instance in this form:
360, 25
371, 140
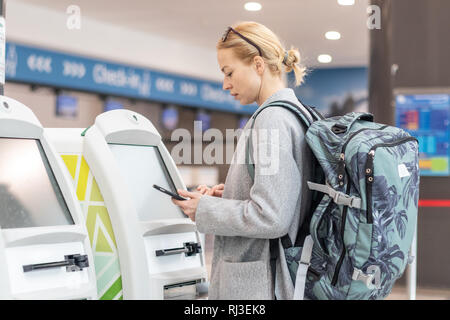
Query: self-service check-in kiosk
68, 142
159, 248
44, 247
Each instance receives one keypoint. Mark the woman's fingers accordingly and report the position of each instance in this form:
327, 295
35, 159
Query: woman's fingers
184, 206
187, 194
203, 189
189, 207
217, 190
218, 187
218, 193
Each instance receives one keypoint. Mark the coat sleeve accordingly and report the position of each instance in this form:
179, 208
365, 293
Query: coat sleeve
273, 197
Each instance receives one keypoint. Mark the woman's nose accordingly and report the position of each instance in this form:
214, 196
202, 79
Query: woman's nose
226, 85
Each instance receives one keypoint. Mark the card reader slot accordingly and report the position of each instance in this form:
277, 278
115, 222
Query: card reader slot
183, 290
182, 284
73, 262
189, 249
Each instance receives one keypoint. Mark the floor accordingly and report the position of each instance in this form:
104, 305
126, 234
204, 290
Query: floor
400, 293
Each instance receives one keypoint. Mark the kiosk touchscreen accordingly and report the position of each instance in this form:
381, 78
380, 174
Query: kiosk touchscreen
159, 248
44, 247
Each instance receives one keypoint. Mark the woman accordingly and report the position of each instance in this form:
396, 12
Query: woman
243, 214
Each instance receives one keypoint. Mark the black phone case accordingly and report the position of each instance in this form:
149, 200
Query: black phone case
173, 195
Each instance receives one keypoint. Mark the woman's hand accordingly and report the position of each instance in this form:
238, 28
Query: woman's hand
203, 189
215, 191
189, 207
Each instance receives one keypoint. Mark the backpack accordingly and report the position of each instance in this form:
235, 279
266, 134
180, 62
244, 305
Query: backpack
354, 242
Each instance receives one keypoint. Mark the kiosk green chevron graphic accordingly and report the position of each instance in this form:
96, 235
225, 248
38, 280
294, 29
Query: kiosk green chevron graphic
98, 223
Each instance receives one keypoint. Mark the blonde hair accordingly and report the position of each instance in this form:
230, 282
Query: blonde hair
272, 50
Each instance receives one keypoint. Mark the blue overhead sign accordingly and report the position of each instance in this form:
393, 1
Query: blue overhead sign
39, 66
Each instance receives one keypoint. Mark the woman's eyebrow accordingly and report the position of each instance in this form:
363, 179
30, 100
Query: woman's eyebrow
223, 69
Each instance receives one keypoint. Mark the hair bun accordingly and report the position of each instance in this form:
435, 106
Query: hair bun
292, 58
292, 63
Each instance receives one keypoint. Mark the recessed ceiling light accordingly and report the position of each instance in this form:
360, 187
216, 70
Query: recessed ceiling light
324, 58
346, 2
252, 6
332, 35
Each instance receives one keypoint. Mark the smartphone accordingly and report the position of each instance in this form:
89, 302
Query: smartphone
170, 193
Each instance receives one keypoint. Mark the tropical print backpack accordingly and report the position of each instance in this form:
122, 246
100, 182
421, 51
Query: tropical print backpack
355, 242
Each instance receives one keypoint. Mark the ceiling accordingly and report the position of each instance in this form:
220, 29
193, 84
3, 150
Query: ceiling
298, 23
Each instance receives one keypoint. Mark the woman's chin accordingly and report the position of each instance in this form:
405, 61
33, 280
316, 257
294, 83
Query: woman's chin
244, 101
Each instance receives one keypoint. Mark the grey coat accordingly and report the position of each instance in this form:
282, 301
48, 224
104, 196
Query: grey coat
250, 213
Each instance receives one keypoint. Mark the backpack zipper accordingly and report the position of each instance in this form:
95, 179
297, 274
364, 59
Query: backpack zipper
357, 132
326, 212
370, 174
341, 258
341, 170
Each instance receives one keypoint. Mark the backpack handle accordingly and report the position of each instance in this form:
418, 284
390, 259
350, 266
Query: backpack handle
345, 122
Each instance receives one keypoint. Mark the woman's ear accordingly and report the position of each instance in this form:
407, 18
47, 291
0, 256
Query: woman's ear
259, 64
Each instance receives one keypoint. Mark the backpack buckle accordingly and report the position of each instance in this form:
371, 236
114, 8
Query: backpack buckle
338, 197
344, 199
371, 280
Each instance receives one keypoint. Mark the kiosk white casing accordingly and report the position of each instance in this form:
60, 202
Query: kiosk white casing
68, 142
144, 275
34, 245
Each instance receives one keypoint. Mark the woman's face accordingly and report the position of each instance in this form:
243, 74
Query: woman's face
242, 80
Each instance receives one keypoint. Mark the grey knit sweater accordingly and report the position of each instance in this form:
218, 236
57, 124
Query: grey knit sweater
250, 213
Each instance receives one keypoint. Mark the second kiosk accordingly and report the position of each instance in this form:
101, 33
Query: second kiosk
159, 248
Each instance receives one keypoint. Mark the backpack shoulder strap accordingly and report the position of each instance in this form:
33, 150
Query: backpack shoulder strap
316, 114
306, 117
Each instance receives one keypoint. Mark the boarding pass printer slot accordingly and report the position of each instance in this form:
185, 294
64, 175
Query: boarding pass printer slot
189, 249
73, 262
